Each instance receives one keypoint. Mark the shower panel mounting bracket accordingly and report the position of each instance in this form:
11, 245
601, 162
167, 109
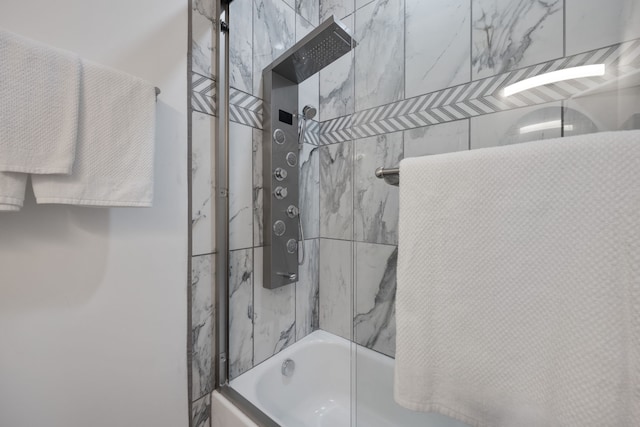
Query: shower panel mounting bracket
326, 43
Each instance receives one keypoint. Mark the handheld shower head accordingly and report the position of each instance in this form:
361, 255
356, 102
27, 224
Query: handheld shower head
309, 112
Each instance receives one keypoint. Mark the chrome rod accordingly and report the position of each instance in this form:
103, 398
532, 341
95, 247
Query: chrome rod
390, 175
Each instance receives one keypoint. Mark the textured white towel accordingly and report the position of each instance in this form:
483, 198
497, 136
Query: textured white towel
518, 300
114, 154
12, 190
39, 94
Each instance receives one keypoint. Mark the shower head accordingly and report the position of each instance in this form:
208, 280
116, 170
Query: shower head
309, 112
328, 42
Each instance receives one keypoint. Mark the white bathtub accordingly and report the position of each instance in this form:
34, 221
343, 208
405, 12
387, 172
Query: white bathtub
318, 394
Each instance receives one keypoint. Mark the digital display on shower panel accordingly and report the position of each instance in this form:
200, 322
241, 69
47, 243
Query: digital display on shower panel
285, 117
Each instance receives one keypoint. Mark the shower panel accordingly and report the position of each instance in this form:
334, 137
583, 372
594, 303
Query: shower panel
322, 46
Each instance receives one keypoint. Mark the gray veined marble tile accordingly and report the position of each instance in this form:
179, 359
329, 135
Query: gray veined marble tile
203, 33
309, 197
376, 202
437, 45
591, 24
336, 287
516, 126
201, 412
379, 55
202, 303
307, 291
437, 139
309, 93
362, 3
339, 8
241, 46
336, 191
258, 189
290, 3
273, 33
274, 314
309, 10
240, 311
509, 34
240, 186
202, 192
336, 84
303, 27
374, 320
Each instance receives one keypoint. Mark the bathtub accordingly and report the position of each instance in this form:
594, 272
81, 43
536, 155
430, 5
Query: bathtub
318, 392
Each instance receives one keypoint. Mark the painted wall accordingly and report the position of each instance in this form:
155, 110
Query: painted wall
93, 314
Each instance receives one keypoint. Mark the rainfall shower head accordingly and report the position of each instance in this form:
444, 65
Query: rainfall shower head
309, 112
328, 42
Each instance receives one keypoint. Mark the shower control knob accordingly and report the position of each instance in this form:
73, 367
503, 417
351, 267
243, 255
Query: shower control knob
279, 136
292, 159
292, 245
292, 211
280, 174
280, 192
279, 228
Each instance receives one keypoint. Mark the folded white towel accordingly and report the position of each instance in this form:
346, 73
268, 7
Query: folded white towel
518, 300
114, 154
12, 190
39, 94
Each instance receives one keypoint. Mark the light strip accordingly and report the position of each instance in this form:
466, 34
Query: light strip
553, 124
554, 77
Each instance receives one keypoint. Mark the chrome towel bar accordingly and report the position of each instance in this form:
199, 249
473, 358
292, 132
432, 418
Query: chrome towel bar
390, 175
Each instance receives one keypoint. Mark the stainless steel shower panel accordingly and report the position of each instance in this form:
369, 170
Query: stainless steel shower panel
280, 180
326, 43
282, 230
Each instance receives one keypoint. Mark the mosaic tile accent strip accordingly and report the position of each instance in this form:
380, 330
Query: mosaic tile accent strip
482, 96
245, 109
203, 94
312, 136
245, 117
336, 130
245, 100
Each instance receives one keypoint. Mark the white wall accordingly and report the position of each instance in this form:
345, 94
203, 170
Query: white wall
93, 301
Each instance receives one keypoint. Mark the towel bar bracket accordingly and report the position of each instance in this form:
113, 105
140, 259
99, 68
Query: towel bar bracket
390, 175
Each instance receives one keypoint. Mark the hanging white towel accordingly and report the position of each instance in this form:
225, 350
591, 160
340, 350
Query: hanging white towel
518, 300
12, 191
39, 94
114, 154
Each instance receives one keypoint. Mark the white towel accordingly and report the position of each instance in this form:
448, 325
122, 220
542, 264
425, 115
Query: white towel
518, 300
39, 93
114, 154
12, 190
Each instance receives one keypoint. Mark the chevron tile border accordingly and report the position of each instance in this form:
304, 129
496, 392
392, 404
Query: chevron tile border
482, 96
245, 116
245, 109
203, 94
313, 133
245, 100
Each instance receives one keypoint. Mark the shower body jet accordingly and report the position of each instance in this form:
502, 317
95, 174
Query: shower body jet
281, 139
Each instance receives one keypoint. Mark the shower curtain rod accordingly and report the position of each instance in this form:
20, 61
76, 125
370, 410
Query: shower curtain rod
390, 175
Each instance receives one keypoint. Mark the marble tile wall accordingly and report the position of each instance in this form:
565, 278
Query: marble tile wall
263, 321
201, 412
203, 130
426, 78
